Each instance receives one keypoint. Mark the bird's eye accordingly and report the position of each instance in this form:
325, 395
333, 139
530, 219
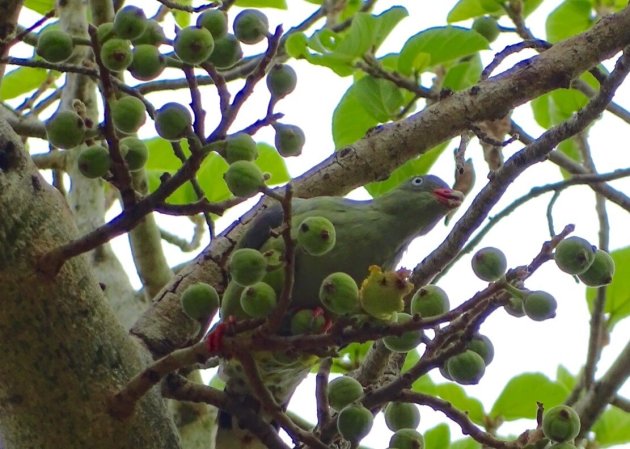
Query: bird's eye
417, 181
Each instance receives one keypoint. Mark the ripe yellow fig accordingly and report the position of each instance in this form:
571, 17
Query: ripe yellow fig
382, 293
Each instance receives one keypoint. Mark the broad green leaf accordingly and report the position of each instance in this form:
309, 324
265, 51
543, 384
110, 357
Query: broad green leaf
22, 80
296, 44
557, 106
161, 155
278, 4
40, 6
425, 385
618, 292
350, 120
438, 437
380, 98
442, 44
184, 195
519, 397
386, 22
457, 396
182, 18
467, 9
565, 378
350, 357
269, 161
570, 18
464, 74
210, 178
418, 166
529, 6
465, 443
612, 428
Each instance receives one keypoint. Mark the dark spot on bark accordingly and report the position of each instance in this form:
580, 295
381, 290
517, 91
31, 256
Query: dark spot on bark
445, 93
225, 420
102, 286
7, 156
475, 90
152, 375
37, 185
344, 152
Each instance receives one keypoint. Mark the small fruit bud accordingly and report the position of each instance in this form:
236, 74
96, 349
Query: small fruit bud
215, 21
200, 300
65, 129
128, 114
430, 301
482, 346
489, 264
487, 26
405, 342
250, 26
574, 255
601, 270
54, 45
193, 45
172, 121
135, 152
343, 391
316, 235
515, 307
407, 439
382, 293
561, 423
281, 80
539, 305
258, 300
240, 147
227, 52
247, 266
354, 422
289, 139
401, 415
466, 368
244, 178
116, 54
94, 161
339, 293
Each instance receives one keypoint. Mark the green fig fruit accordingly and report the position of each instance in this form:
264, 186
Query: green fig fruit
281, 80
489, 264
231, 302
135, 152
289, 139
128, 114
105, 32
250, 26
153, 34
227, 52
482, 346
487, 26
316, 235
354, 422
339, 293
172, 121
94, 161
215, 21
601, 270
407, 439
429, 301
308, 321
240, 147
244, 178
574, 255
147, 62
565, 445
405, 342
466, 368
258, 300
65, 129
116, 54
401, 415
382, 293
193, 45
561, 423
539, 305
343, 391
54, 45
247, 266
200, 300
130, 22
515, 307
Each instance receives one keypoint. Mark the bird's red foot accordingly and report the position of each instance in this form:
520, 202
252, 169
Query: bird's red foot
213, 339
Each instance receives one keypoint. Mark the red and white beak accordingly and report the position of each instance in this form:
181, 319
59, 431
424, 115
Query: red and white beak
449, 197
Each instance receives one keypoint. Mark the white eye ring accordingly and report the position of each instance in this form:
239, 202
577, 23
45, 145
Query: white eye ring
417, 181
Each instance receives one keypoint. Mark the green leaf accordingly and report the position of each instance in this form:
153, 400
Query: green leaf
161, 155
183, 195
40, 6
380, 98
464, 74
22, 80
296, 44
350, 120
618, 292
529, 6
565, 378
182, 18
424, 384
457, 396
570, 18
278, 4
465, 9
442, 44
612, 428
465, 443
519, 397
418, 166
438, 437
557, 106
350, 357
269, 161
210, 178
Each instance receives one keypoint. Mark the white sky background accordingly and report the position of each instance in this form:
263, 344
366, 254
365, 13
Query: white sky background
521, 345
